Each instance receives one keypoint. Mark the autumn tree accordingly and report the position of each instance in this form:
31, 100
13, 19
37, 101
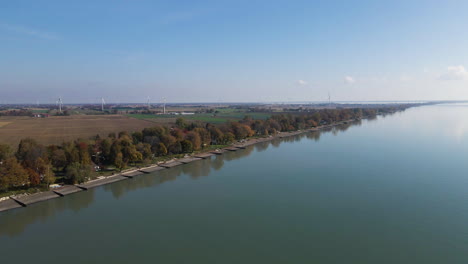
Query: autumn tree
12, 174
194, 137
33, 176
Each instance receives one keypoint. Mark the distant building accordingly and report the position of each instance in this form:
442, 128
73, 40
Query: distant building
40, 115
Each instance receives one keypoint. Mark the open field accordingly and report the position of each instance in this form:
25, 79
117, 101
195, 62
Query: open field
220, 117
57, 129
2, 124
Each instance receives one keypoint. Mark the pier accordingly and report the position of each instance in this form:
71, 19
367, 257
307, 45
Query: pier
103, 181
26, 200
204, 155
9, 204
132, 174
218, 152
231, 149
66, 190
151, 169
188, 160
171, 164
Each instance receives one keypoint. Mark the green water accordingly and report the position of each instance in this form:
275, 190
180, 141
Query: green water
390, 190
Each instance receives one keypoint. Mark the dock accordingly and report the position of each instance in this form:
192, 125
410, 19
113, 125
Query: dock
9, 204
188, 160
26, 200
171, 164
103, 181
66, 190
132, 174
231, 149
204, 155
151, 169
218, 152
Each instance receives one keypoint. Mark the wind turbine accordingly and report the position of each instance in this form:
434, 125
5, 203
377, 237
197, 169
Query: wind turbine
102, 104
164, 104
329, 99
148, 102
60, 104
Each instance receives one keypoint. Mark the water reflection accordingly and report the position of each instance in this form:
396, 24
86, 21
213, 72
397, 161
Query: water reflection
15, 221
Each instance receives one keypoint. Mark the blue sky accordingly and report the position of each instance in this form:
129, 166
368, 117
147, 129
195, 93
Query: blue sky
225, 51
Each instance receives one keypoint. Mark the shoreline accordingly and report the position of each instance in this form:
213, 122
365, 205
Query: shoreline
24, 200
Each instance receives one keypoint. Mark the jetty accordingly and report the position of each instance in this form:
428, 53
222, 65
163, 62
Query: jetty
151, 169
26, 200
102, 181
218, 151
188, 160
8, 205
132, 174
231, 148
66, 190
171, 164
204, 155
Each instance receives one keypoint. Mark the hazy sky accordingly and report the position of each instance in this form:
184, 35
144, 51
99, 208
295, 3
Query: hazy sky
225, 51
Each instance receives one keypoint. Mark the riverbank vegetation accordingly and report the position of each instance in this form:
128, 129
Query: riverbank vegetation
33, 165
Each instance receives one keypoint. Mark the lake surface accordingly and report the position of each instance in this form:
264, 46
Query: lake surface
390, 190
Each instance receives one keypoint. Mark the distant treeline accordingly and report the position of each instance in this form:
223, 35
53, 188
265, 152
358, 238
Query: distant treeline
36, 165
19, 112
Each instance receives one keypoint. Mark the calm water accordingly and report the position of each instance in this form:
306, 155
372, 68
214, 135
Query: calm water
391, 190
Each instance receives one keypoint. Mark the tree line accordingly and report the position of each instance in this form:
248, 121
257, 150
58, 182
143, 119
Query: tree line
36, 165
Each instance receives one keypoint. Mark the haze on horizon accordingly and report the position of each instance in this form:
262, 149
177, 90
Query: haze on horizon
232, 51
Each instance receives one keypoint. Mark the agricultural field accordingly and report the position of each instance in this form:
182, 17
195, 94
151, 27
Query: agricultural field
57, 129
222, 116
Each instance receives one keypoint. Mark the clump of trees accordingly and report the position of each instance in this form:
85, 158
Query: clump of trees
35, 165
16, 112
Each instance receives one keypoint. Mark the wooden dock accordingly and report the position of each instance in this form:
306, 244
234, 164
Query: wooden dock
151, 169
204, 155
132, 174
99, 182
188, 160
171, 164
34, 198
66, 190
8, 205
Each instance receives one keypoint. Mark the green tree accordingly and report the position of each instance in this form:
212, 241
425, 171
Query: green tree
119, 161
58, 158
5, 152
180, 123
48, 177
79, 173
187, 146
29, 151
160, 150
